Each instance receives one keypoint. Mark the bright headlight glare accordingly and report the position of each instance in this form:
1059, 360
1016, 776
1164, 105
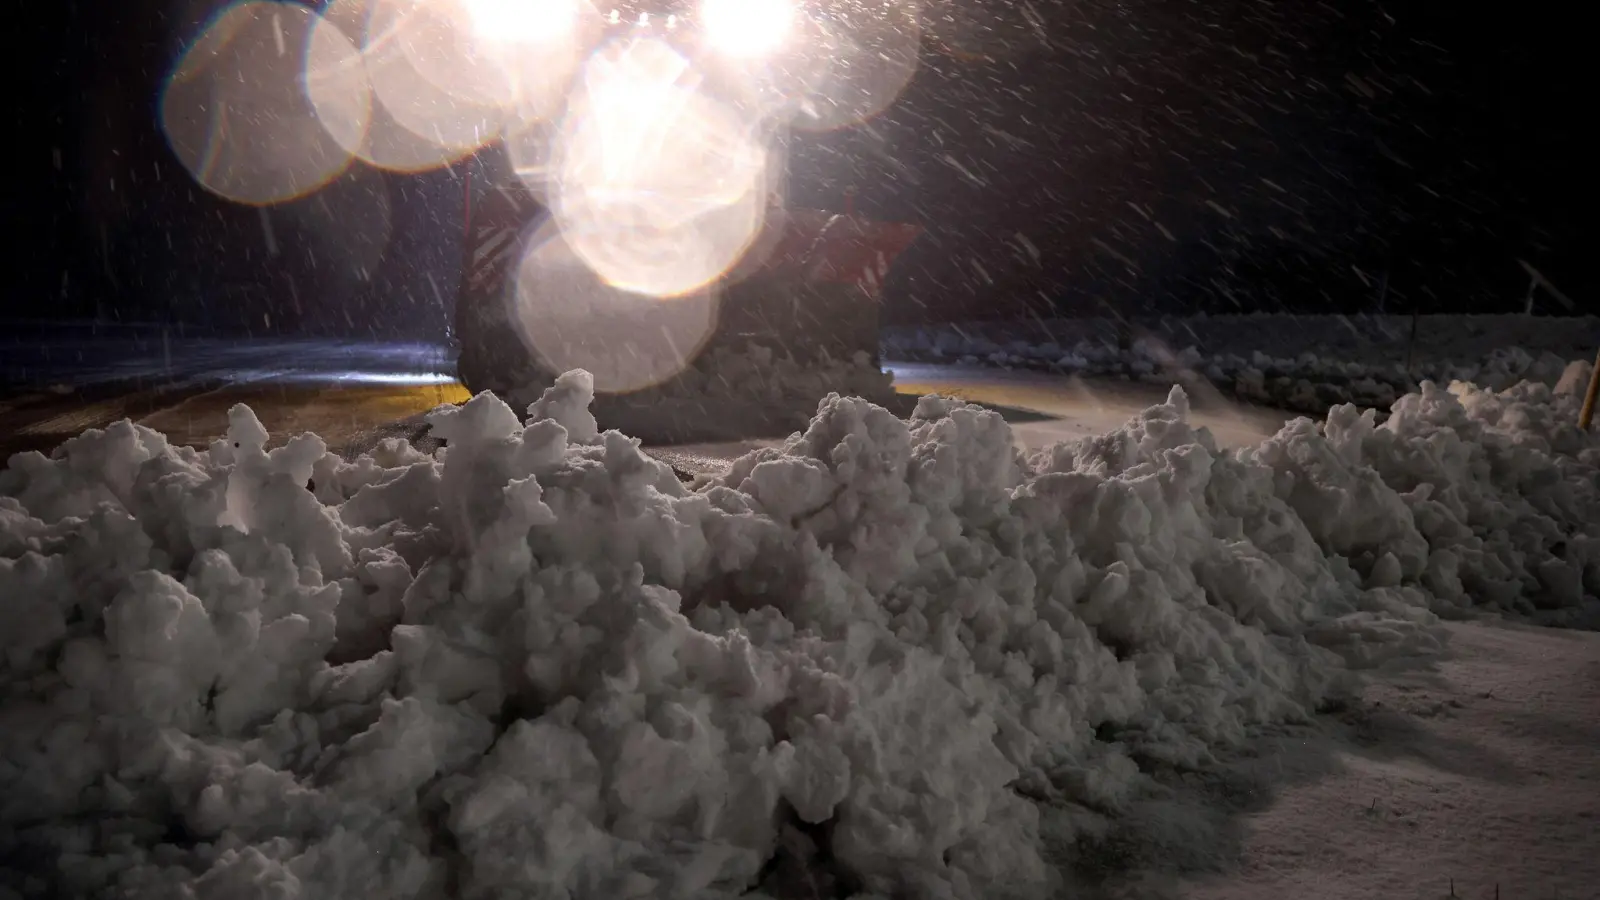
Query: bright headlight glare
746, 27
522, 20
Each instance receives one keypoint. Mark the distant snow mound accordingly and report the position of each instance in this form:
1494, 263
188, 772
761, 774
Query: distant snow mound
535, 665
1305, 363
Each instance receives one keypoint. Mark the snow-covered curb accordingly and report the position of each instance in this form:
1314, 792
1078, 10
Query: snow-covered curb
1302, 363
537, 665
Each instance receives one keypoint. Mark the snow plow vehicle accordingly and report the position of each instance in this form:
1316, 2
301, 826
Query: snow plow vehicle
644, 240
811, 291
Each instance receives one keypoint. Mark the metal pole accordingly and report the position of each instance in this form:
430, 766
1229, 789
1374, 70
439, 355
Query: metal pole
1587, 414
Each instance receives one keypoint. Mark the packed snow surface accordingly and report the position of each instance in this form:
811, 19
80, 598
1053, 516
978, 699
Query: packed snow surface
1304, 363
867, 663
1474, 775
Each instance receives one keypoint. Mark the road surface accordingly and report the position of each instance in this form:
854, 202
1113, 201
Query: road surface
354, 392
1073, 407
56, 386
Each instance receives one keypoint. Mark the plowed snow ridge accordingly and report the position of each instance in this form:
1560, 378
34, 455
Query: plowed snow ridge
1306, 363
537, 665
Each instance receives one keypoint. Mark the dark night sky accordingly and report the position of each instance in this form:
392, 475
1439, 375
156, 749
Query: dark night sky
1142, 155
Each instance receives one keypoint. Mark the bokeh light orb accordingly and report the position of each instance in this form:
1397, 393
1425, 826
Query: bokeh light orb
871, 50
658, 187
419, 76
570, 318
540, 53
769, 83
449, 77
238, 109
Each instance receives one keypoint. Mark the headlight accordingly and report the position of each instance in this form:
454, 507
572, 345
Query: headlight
746, 27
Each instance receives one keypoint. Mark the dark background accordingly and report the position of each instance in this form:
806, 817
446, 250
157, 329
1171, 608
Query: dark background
1303, 156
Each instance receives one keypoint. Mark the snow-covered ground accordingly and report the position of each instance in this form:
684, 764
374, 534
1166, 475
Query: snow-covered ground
1473, 777
891, 657
1303, 363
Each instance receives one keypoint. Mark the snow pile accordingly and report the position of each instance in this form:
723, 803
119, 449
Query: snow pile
731, 394
536, 665
1304, 363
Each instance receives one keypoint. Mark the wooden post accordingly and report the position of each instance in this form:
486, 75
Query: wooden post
1587, 415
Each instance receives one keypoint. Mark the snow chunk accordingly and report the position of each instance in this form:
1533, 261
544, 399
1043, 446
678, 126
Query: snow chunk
567, 403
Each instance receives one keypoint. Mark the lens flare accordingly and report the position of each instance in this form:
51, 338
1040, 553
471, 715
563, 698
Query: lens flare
659, 171
238, 110
531, 152
337, 86
524, 21
871, 50
571, 319
748, 28
657, 186
432, 130
541, 66
440, 41
427, 80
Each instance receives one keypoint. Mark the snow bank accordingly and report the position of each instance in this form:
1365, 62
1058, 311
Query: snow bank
1302, 363
536, 665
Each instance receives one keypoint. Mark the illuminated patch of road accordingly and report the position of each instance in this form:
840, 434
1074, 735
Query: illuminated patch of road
338, 414
350, 411
1073, 407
